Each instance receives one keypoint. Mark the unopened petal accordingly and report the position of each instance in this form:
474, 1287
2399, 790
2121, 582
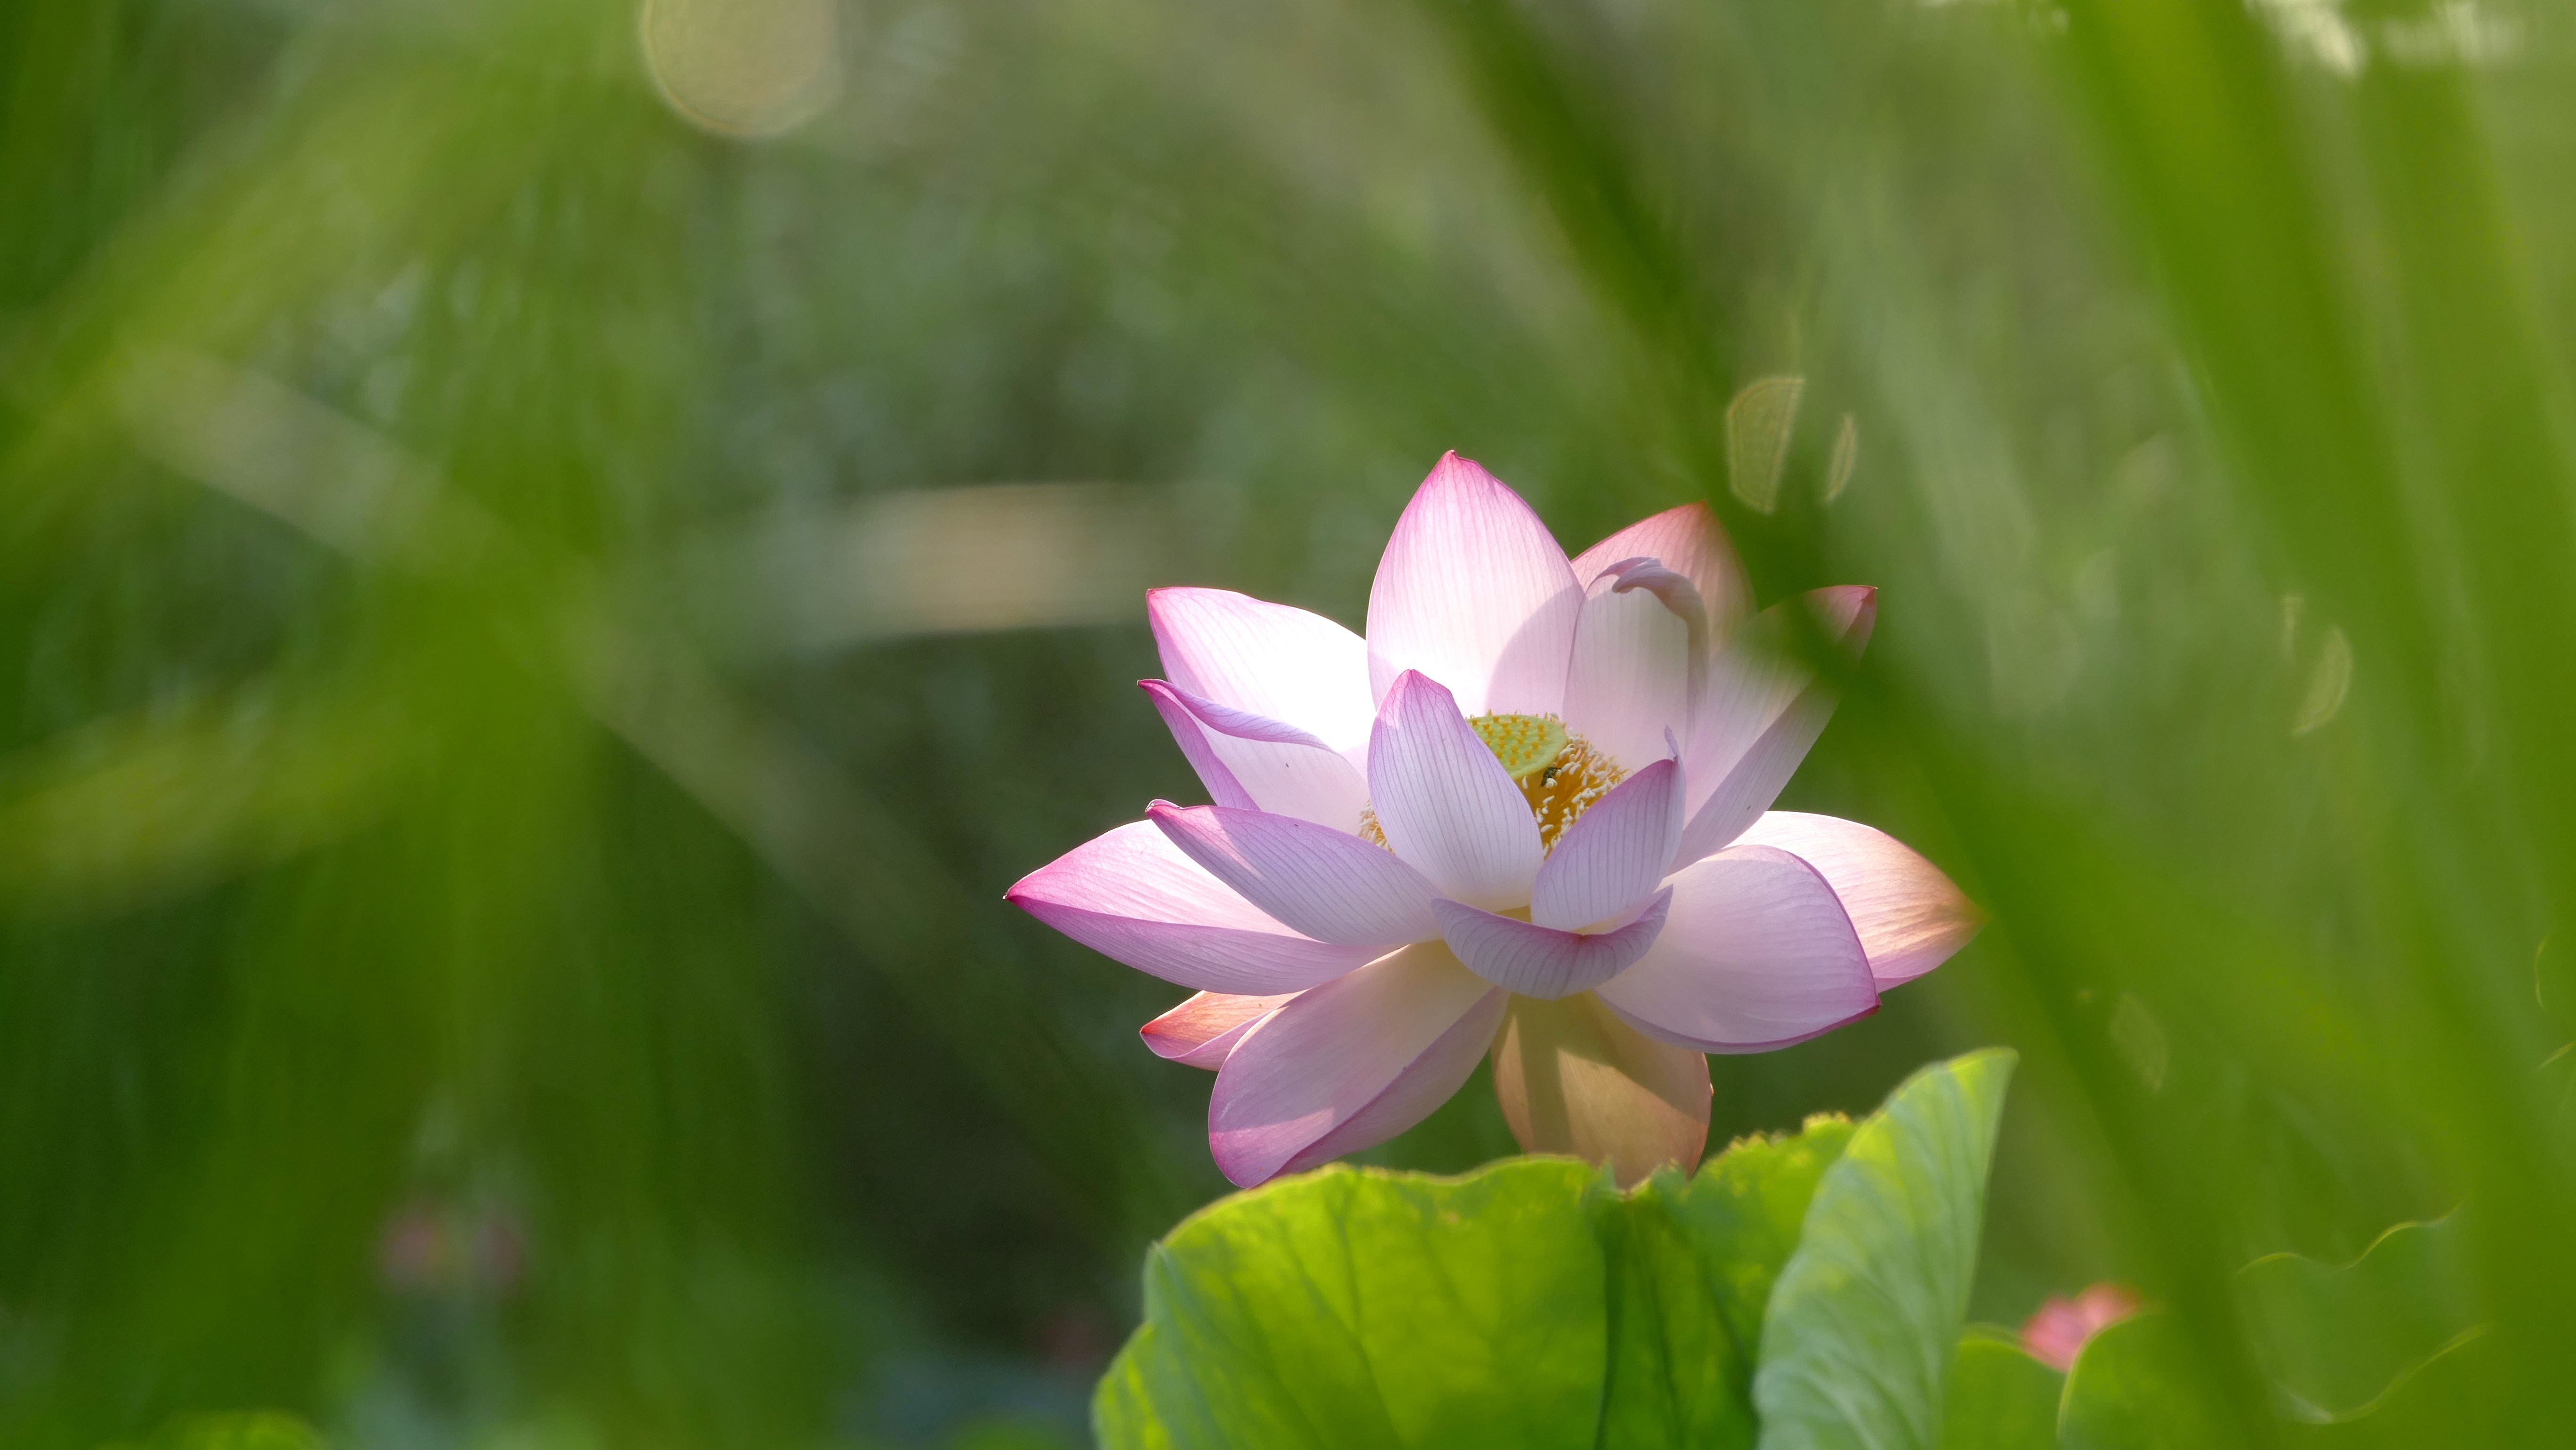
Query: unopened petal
1444, 801
1573, 1078
1201, 1031
1539, 961
1131, 895
1615, 854
1330, 886
1350, 1063
1688, 541
1250, 761
1910, 917
1474, 592
1273, 660
1763, 709
1640, 664
1756, 953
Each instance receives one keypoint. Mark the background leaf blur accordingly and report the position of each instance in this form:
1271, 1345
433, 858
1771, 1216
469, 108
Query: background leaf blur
556, 557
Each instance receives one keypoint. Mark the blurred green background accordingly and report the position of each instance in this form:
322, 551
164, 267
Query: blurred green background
556, 557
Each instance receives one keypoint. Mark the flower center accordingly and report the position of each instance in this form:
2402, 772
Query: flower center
1559, 773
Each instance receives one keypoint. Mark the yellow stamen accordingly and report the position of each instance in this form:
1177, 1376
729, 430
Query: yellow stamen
1559, 773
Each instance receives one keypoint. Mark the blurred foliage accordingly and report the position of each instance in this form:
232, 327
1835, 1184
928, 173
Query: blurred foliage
499, 935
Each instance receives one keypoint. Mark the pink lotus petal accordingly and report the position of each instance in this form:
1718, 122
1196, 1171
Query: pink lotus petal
1406, 1029
1539, 961
1640, 661
1249, 761
2057, 1333
1474, 592
1269, 660
1614, 855
1330, 886
1133, 896
1687, 541
1573, 1078
1192, 737
1762, 712
1202, 1030
1910, 917
1756, 953
1444, 801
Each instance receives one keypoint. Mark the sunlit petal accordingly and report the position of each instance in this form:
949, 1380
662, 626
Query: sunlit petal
1251, 762
1445, 803
1573, 1078
1614, 854
1539, 961
1756, 953
1474, 592
1762, 712
1350, 1063
1331, 886
1910, 917
1201, 1031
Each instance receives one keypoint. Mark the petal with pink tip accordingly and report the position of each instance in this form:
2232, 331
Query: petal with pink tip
1640, 661
1353, 1062
1202, 1030
1133, 896
1573, 1078
1474, 592
1331, 886
1763, 709
1250, 761
1539, 961
1445, 803
1615, 854
1910, 917
1688, 541
1271, 660
1756, 953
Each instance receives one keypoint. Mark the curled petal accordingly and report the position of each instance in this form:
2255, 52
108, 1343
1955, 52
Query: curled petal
1640, 661
1349, 1064
1909, 916
1267, 659
1133, 896
1538, 961
1688, 541
1614, 854
1763, 710
1202, 1030
1252, 762
1756, 953
1444, 801
1474, 592
1330, 886
1573, 1078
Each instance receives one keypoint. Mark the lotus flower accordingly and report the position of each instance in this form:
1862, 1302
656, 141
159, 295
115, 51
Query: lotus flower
1527, 815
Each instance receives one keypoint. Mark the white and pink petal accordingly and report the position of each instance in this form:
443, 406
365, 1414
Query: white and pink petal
1756, 953
1316, 880
1252, 762
1474, 592
1763, 709
1350, 1063
1574, 1078
1270, 660
1615, 854
1910, 917
1543, 962
1445, 803
1688, 541
1133, 896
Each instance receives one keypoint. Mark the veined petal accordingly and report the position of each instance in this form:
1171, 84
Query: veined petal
1275, 661
1573, 1078
1539, 961
1131, 895
1640, 661
1756, 953
1762, 712
1192, 737
1474, 592
1202, 1030
1615, 854
1350, 1063
1909, 916
1688, 541
1252, 762
1330, 886
1444, 801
